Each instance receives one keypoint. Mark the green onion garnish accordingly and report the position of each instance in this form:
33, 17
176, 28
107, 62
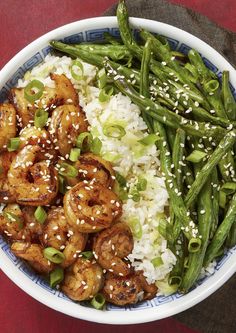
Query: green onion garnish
68, 170
175, 280
194, 245
96, 146
121, 180
149, 140
74, 154
142, 184
13, 218
211, 86
102, 78
228, 188
33, 91
114, 131
13, 144
162, 227
53, 255
56, 276
157, 261
222, 199
77, 70
40, 214
111, 157
135, 194
87, 254
84, 141
40, 118
196, 156
105, 94
135, 227
62, 185
120, 192
98, 301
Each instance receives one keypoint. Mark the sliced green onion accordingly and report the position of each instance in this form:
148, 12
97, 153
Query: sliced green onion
121, 180
135, 227
68, 170
165, 287
120, 192
149, 140
196, 156
98, 301
74, 154
40, 118
162, 227
142, 184
84, 141
33, 91
77, 70
105, 94
228, 188
222, 199
194, 245
175, 280
13, 144
211, 86
135, 194
40, 214
13, 218
62, 185
53, 255
56, 276
157, 261
96, 146
111, 157
114, 131
87, 254
102, 78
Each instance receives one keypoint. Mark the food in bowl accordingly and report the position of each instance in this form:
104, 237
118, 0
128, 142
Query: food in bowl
169, 247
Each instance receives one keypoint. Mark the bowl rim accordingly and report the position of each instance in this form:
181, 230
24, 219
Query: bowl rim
118, 317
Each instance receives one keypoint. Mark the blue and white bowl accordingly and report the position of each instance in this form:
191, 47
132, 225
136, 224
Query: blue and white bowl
16, 269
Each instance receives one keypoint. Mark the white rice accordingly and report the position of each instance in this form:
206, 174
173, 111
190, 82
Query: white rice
131, 159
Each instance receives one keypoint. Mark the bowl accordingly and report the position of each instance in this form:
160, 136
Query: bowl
161, 306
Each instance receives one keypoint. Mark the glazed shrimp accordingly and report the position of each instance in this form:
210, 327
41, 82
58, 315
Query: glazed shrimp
91, 208
6, 194
33, 253
111, 246
67, 122
7, 124
59, 234
83, 280
12, 224
33, 227
37, 136
63, 93
124, 290
94, 168
33, 184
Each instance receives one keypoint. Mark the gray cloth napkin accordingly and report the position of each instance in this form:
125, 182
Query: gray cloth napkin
216, 313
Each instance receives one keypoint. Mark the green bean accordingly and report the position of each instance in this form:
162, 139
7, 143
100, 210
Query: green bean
177, 156
231, 238
215, 202
228, 99
144, 80
204, 224
204, 73
225, 144
114, 52
110, 39
221, 232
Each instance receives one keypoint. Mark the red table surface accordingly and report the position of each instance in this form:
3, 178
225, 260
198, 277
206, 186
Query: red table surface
22, 21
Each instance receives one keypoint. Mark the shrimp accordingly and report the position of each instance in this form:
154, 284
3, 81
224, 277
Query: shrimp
63, 93
94, 168
91, 208
59, 234
12, 224
111, 246
6, 195
7, 124
124, 290
83, 280
33, 184
33, 253
67, 122
33, 227
37, 136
